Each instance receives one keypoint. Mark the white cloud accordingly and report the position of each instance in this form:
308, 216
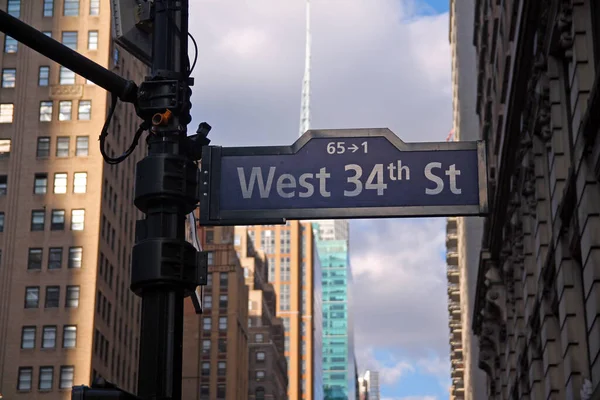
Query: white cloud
375, 64
400, 299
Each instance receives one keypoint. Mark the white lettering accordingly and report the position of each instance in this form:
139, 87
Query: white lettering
286, 181
392, 168
256, 174
355, 180
452, 172
376, 173
322, 177
405, 169
310, 189
439, 183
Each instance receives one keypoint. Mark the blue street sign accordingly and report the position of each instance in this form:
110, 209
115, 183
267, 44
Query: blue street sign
355, 173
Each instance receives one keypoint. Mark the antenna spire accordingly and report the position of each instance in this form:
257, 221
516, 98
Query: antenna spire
305, 108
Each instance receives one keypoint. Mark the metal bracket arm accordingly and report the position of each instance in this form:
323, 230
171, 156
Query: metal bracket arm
56, 51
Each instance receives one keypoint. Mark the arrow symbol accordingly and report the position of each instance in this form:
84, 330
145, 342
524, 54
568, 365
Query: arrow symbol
353, 148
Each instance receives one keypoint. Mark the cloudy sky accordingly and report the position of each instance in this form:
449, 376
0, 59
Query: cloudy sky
376, 63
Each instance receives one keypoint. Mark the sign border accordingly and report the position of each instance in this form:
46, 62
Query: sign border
210, 190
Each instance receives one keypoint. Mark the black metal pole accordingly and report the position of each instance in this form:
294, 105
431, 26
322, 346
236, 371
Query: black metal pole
164, 264
56, 51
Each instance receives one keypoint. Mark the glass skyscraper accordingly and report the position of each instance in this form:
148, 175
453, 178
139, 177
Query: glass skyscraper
339, 375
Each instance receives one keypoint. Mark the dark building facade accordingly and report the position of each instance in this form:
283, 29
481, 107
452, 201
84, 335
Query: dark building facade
538, 293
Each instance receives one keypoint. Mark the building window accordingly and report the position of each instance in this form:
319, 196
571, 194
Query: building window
71, 10
92, 40
48, 8
49, 337
57, 222
206, 323
34, 259
223, 278
14, 8
210, 257
222, 323
45, 111
259, 393
207, 302
46, 378
222, 345
284, 298
9, 77
259, 338
221, 368
260, 356
62, 146
220, 391
77, 220
205, 369
1, 224
47, 33
25, 377
5, 147
7, 113
32, 297
3, 185
223, 301
204, 391
52, 296
66, 77
82, 146
44, 76
69, 39
70, 336
37, 220
206, 346
43, 147
115, 56
210, 236
28, 337
80, 182
284, 268
65, 109
72, 298
94, 7
60, 183
84, 113
66, 377
10, 45
55, 258
75, 257
40, 183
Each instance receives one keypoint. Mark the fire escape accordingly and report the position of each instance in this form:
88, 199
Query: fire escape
454, 310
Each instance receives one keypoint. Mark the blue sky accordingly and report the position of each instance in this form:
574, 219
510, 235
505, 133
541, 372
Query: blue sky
375, 63
440, 6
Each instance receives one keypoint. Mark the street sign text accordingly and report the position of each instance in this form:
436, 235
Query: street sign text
346, 174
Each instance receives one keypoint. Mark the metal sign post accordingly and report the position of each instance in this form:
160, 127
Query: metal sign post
353, 173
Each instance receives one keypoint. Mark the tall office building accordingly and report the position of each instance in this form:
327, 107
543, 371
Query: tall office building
464, 235
289, 252
215, 343
66, 218
339, 376
267, 375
